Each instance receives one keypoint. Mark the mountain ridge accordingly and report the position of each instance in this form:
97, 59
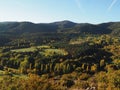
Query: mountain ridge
61, 27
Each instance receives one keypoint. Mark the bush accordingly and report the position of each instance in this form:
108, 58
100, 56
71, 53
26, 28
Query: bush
115, 78
84, 85
84, 76
102, 77
68, 83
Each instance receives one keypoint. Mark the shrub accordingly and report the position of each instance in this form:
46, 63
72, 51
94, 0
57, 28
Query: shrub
84, 85
84, 76
68, 83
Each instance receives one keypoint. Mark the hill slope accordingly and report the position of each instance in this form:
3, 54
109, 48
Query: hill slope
62, 27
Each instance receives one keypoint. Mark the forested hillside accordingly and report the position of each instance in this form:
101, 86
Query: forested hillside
59, 56
63, 26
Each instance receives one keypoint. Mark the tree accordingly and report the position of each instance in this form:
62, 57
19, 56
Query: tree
102, 63
94, 68
24, 65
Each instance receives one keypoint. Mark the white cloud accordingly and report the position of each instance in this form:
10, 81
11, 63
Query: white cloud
112, 4
78, 3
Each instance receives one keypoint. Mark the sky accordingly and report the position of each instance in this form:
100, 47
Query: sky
46, 11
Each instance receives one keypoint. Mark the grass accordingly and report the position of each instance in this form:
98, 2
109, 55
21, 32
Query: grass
43, 47
51, 52
31, 49
47, 50
2, 74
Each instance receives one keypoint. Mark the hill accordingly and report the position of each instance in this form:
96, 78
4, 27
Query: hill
60, 27
59, 56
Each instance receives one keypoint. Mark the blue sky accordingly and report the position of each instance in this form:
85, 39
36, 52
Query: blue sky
45, 11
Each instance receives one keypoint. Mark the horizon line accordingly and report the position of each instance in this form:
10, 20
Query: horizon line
55, 22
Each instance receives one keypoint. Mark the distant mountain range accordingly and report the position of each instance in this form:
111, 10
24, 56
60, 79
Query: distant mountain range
60, 27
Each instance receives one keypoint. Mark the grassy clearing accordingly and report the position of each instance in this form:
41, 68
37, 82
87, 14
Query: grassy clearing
31, 49
3, 73
46, 50
51, 52
44, 47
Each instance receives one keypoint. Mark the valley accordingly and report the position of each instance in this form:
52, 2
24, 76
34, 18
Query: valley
59, 56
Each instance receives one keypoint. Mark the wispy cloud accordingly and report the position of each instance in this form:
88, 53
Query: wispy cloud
79, 5
112, 4
81, 8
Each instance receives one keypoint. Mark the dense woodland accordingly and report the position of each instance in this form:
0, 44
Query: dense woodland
59, 56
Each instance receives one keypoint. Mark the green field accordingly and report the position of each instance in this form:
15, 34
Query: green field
3, 74
46, 50
51, 52
31, 49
